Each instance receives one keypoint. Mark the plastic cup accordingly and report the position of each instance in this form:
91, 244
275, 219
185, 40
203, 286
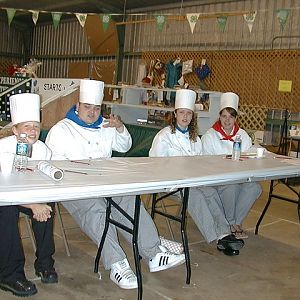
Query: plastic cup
6, 162
260, 152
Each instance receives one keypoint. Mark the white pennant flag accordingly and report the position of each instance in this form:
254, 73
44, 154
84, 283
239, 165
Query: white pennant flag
249, 18
81, 18
192, 18
35, 16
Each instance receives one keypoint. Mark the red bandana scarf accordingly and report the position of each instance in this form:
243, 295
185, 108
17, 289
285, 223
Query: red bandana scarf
218, 127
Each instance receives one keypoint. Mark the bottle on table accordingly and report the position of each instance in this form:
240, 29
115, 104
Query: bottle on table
22, 151
237, 148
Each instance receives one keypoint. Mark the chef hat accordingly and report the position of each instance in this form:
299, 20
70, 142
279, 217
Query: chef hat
24, 108
229, 100
91, 91
185, 99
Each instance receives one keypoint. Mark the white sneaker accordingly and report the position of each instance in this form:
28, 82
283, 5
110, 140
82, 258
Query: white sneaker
165, 260
122, 275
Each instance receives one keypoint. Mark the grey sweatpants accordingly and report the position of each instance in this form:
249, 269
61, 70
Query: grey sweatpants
90, 216
237, 200
204, 208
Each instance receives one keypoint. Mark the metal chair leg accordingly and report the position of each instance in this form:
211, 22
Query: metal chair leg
29, 229
62, 229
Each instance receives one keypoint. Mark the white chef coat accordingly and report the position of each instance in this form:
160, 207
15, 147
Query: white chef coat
166, 143
68, 140
39, 150
213, 145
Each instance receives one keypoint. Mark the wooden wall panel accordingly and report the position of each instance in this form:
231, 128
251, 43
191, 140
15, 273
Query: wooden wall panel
78, 70
56, 110
100, 41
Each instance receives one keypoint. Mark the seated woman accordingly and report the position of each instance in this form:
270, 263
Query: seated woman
25, 114
180, 138
237, 199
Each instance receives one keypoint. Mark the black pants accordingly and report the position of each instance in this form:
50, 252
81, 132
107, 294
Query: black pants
12, 258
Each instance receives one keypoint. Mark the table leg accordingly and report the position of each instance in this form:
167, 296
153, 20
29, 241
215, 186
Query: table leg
135, 234
107, 217
134, 231
184, 235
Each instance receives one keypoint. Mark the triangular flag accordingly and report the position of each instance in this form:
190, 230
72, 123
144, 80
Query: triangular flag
249, 18
56, 18
282, 15
81, 18
222, 21
105, 21
160, 22
192, 18
10, 14
35, 16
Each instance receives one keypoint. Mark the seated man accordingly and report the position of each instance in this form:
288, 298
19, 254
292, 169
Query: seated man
85, 134
25, 114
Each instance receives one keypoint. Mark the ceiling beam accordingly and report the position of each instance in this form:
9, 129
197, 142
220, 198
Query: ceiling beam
106, 7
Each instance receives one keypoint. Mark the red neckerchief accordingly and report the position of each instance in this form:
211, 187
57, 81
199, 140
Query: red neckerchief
218, 127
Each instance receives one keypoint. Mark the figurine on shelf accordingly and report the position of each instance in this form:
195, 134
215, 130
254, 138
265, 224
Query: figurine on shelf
29, 70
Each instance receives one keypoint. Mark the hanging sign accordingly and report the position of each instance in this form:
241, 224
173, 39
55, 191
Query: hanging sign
192, 19
222, 21
160, 22
282, 15
249, 18
56, 18
81, 19
10, 14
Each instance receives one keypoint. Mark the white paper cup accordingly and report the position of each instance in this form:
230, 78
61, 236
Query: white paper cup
6, 162
260, 152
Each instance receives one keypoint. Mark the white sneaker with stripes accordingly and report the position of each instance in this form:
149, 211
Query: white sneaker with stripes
165, 260
122, 275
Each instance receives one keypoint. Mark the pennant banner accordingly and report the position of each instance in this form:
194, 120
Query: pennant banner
10, 14
81, 19
222, 21
160, 22
192, 18
249, 18
35, 16
56, 18
282, 15
105, 21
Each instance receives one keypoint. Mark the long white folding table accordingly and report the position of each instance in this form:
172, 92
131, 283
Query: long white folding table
136, 176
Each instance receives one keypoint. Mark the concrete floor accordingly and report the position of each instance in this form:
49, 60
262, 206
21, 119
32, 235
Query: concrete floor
267, 267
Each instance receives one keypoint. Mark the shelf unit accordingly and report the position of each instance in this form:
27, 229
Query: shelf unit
130, 105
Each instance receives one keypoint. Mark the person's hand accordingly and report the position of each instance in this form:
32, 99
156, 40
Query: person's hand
41, 212
114, 121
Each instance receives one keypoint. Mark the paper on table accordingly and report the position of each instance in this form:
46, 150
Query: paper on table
50, 170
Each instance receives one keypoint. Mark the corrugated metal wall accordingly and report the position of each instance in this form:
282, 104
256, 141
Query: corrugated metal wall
57, 47
11, 40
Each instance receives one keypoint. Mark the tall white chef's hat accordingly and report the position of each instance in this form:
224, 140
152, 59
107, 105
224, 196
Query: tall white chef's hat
229, 100
91, 91
24, 108
185, 99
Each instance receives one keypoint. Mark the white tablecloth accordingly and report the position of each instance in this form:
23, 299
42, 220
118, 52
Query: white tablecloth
129, 176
